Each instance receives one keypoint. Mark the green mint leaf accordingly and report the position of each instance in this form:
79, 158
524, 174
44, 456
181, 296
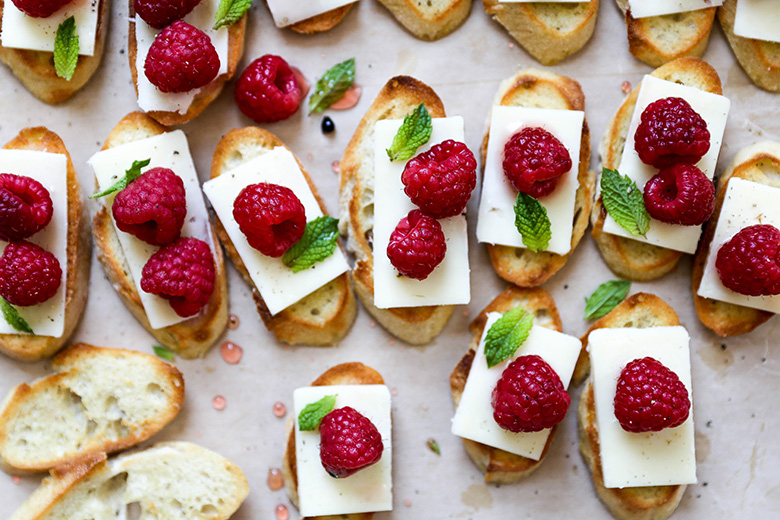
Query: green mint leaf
332, 86
624, 202
317, 243
507, 334
163, 353
130, 175
605, 298
532, 222
230, 11
433, 446
66, 49
13, 318
312, 414
414, 132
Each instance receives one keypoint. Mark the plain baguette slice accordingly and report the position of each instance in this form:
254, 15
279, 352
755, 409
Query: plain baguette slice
542, 89
549, 31
499, 466
100, 400
429, 20
322, 22
324, 316
343, 374
757, 163
629, 258
35, 69
641, 310
398, 98
168, 480
25, 347
190, 338
207, 94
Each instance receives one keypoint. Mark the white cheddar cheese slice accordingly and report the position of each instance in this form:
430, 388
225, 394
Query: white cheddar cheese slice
645, 8
629, 459
21, 31
474, 417
714, 110
288, 12
758, 19
168, 150
448, 284
371, 488
279, 286
496, 224
50, 169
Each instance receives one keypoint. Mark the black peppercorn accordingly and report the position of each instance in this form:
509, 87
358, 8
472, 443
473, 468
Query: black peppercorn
327, 125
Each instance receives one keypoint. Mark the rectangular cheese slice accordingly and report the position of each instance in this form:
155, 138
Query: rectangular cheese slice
448, 284
50, 169
21, 31
474, 417
168, 150
714, 110
496, 224
641, 459
758, 19
645, 8
279, 286
371, 488
288, 12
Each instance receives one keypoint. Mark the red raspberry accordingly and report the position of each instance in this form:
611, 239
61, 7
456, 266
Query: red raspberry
270, 216
40, 8
417, 245
680, 194
29, 274
534, 160
749, 263
25, 207
529, 397
152, 207
440, 181
181, 58
159, 13
671, 132
349, 442
182, 273
268, 90
650, 397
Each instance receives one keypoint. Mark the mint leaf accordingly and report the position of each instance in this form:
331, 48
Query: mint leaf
130, 175
414, 132
312, 414
66, 49
13, 318
317, 243
433, 446
229, 12
532, 222
163, 353
624, 202
605, 298
332, 86
507, 334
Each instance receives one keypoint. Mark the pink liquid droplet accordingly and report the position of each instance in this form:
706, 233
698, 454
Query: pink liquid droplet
302, 81
16, 479
626, 87
408, 503
511, 45
394, 391
279, 409
231, 353
219, 403
309, 157
282, 513
335, 166
275, 479
233, 322
350, 99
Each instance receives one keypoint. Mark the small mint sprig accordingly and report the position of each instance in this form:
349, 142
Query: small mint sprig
66, 49
229, 12
605, 298
532, 222
13, 317
624, 202
415, 131
130, 175
312, 414
507, 334
163, 353
317, 243
332, 86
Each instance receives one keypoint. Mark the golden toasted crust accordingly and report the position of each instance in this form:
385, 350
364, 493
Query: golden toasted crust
321, 318
630, 258
548, 31
207, 94
322, 22
188, 339
540, 88
344, 374
429, 20
33, 348
415, 325
499, 466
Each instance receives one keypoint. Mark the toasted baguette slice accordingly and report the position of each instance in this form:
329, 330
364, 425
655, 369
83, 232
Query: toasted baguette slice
321, 318
499, 466
344, 374
637, 503
401, 95
100, 400
35, 69
542, 89
659, 39
190, 338
33, 348
322, 22
549, 31
207, 94
630, 258
759, 59
757, 163
430, 20
168, 480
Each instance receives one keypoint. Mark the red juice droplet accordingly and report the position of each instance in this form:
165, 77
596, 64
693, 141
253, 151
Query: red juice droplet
233, 322
350, 99
282, 513
335, 166
275, 479
302, 81
231, 353
219, 403
16, 479
279, 409
625, 87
